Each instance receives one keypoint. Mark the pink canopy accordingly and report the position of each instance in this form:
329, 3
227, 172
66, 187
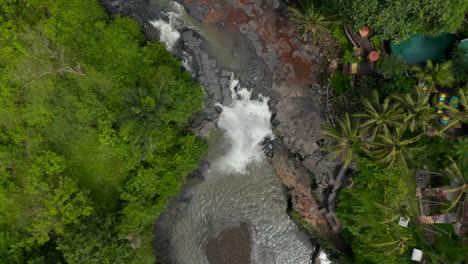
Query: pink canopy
374, 55
364, 32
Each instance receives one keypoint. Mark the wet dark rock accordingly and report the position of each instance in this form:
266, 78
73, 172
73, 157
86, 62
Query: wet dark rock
197, 10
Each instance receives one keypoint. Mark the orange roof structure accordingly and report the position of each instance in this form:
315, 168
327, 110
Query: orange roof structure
374, 55
364, 32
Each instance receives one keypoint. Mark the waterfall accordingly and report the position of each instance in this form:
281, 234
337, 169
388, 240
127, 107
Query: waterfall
168, 33
240, 188
246, 123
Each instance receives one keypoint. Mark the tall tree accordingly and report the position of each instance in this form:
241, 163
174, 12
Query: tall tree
454, 173
346, 136
399, 245
397, 19
393, 149
379, 117
440, 74
346, 139
419, 112
311, 24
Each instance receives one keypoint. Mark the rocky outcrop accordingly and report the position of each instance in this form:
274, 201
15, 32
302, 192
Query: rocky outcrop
294, 68
298, 180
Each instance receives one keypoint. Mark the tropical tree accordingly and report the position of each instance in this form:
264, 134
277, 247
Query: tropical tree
311, 24
346, 136
458, 114
379, 117
454, 172
392, 66
346, 139
399, 245
392, 214
435, 74
419, 112
460, 64
398, 19
393, 149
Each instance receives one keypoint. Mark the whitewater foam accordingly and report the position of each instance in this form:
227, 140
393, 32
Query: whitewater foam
246, 123
168, 34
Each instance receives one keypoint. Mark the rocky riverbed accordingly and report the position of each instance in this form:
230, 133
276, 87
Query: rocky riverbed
290, 72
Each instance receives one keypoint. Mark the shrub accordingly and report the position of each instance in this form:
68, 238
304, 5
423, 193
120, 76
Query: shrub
391, 66
340, 82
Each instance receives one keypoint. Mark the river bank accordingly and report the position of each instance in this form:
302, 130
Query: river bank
277, 65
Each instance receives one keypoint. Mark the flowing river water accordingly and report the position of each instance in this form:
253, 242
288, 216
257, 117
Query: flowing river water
238, 212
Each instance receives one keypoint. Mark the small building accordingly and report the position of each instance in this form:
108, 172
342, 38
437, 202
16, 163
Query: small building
362, 68
433, 196
417, 255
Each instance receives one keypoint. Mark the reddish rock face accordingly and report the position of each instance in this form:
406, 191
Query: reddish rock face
297, 179
275, 37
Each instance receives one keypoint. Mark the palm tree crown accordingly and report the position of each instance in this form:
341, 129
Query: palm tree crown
393, 149
419, 112
345, 136
380, 118
457, 176
435, 74
392, 66
310, 23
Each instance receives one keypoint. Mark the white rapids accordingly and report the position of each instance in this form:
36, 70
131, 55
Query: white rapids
247, 124
168, 33
240, 187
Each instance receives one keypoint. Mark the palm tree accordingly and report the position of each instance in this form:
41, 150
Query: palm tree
459, 114
395, 213
457, 176
400, 244
310, 23
346, 137
380, 118
435, 74
419, 112
393, 149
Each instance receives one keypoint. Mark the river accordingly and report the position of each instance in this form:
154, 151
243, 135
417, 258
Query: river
238, 212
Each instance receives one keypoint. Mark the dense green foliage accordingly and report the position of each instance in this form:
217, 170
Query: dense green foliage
397, 19
397, 135
346, 137
346, 46
92, 134
392, 144
397, 131
340, 82
367, 224
391, 66
435, 74
460, 65
366, 84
